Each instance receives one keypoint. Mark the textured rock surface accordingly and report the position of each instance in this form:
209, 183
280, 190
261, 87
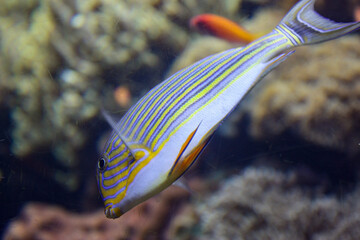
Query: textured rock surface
269, 204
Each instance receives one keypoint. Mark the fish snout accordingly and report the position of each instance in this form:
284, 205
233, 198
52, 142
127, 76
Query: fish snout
112, 212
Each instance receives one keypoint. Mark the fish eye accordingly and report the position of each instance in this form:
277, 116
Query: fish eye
102, 163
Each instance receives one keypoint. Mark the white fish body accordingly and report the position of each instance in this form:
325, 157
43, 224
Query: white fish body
159, 138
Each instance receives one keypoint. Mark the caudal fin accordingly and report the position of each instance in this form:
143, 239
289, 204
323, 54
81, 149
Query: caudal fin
305, 26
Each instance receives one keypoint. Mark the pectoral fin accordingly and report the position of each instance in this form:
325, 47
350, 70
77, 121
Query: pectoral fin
182, 150
183, 163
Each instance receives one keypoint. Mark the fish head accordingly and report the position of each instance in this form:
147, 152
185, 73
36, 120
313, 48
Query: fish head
126, 178
113, 172
110, 186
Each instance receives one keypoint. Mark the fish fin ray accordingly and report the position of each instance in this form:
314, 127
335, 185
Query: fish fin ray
114, 127
182, 150
181, 183
179, 169
274, 62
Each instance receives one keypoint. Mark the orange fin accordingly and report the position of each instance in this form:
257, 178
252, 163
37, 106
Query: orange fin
181, 165
182, 150
222, 28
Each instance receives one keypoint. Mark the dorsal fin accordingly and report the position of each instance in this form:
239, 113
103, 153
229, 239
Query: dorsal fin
112, 123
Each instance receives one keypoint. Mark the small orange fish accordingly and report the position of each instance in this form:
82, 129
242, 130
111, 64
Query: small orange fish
357, 13
222, 28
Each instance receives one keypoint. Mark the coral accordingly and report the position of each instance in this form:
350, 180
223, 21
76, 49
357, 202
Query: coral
184, 224
55, 73
268, 204
264, 20
228, 8
122, 96
63, 51
61, 60
315, 94
146, 221
197, 49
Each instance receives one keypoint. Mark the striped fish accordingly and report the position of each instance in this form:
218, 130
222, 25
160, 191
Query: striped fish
161, 136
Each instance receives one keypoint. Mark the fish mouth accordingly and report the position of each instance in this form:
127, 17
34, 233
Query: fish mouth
112, 212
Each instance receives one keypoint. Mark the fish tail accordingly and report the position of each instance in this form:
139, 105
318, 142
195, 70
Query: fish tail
303, 25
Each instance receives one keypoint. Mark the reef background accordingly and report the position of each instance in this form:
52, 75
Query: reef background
286, 163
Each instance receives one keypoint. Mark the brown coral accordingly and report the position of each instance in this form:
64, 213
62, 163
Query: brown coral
146, 221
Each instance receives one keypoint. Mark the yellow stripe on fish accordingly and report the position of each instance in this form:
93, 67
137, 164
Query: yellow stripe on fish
161, 136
